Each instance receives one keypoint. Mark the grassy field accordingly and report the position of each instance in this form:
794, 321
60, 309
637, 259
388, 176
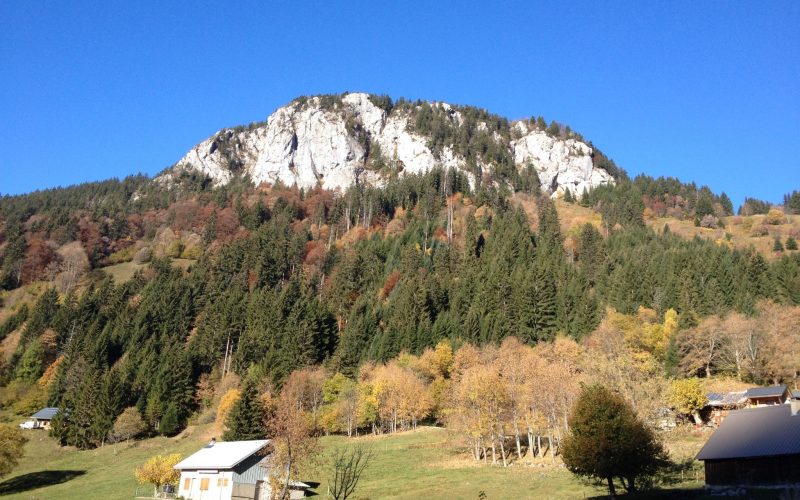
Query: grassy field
425, 463
428, 463
737, 233
125, 271
50, 472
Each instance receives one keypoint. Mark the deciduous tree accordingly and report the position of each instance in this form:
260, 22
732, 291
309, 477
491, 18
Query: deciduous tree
158, 471
607, 441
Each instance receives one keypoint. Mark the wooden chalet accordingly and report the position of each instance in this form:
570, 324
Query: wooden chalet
757, 446
765, 396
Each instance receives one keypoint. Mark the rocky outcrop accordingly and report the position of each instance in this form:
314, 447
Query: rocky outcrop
312, 142
561, 163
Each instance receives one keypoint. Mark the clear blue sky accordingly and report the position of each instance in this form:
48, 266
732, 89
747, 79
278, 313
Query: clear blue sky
705, 91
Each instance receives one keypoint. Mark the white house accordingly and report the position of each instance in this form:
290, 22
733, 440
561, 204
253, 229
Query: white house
232, 470
40, 420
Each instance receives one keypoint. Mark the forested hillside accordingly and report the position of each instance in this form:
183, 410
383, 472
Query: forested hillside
280, 279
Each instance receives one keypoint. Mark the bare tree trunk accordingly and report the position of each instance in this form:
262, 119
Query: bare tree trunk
503, 451
611, 491
494, 451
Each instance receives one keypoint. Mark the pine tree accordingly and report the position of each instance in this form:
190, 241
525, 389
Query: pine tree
727, 205
777, 246
246, 419
169, 425
791, 243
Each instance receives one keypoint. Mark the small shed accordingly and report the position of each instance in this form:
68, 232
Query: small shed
41, 419
721, 403
232, 470
764, 396
756, 447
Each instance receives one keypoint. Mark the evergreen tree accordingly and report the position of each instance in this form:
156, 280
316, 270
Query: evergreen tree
246, 419
777, 246
169, 424
791, 243
727, 205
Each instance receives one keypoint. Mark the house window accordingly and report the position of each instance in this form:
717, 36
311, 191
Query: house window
226, 481
204, 484
219, 482
187, 483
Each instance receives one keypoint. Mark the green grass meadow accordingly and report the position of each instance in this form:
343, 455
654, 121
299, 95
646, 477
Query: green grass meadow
427, 463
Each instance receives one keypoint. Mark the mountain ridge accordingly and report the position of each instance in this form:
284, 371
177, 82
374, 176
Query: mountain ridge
338, 141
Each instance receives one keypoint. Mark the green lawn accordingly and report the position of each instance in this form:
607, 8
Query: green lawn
427, 463
50, 472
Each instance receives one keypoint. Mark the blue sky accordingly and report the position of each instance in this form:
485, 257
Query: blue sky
705, 91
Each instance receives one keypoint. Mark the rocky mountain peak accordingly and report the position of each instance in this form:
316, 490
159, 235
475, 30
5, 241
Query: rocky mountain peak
335, 141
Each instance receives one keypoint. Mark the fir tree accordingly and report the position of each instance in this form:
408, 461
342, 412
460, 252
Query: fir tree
246, 419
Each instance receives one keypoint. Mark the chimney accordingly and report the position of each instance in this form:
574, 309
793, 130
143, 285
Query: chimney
211, 443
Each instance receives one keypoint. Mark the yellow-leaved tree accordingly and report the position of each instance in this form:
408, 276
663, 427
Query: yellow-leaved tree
159, 470
226, 403
688, 397
12, 443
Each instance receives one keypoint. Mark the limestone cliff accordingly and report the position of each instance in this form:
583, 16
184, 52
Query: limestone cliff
335, 141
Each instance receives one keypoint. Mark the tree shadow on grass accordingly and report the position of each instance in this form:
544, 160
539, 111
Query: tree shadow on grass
34, 480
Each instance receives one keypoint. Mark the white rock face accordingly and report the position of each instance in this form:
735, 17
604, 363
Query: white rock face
561, 164
307, 145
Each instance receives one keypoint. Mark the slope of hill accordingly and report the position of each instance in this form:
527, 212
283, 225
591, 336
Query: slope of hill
409, 465
276, 278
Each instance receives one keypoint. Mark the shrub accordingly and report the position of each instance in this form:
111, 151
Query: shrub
143, 255
709, 221
193, 252
775, 217
174, 249
120, 256
758, 231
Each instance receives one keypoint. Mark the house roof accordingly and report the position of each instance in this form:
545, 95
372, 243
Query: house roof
766, 392
755, 432
726, 398
45, 414
222, 455
796, 394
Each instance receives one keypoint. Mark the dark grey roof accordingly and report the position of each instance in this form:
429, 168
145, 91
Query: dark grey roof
755, 432
726, 398
766, 392
45, 413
